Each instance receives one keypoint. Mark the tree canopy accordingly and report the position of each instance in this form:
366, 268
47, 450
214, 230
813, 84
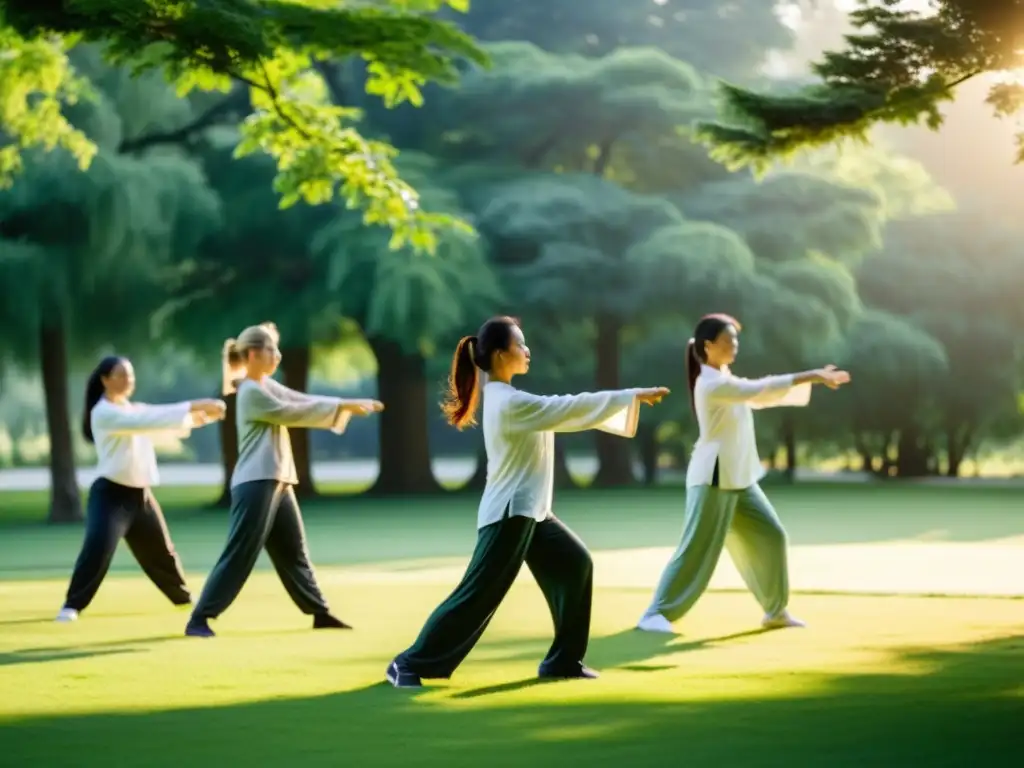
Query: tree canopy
899, 66
273, 46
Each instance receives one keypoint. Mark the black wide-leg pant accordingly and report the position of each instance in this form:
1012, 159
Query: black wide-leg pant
264, 514
113, 512
559, 562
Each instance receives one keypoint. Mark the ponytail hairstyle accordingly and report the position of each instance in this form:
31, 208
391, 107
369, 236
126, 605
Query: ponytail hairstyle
708, 329
94, 390
472, 353
236, 352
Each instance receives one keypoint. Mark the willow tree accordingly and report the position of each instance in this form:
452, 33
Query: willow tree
899, 66
88, 255
272, 47
404, 305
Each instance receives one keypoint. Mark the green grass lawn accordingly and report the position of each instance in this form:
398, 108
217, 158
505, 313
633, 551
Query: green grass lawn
873, 681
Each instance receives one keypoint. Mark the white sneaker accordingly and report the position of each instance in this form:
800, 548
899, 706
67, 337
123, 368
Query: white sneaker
66, 615
782, 621
656, 623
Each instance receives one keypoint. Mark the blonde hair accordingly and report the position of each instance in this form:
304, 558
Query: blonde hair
236, 352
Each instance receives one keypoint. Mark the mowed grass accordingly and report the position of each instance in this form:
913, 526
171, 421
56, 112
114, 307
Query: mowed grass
873, 681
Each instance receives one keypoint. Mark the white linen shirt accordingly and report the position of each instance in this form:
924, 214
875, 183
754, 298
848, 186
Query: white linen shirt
122, 434
519, 436
724, 404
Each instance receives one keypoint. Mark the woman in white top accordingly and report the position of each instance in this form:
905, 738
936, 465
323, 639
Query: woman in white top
514, 520
264, 511
121, 504
725, 506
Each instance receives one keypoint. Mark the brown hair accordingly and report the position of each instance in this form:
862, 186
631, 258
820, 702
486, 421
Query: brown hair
236, 351
472, 353
708, 329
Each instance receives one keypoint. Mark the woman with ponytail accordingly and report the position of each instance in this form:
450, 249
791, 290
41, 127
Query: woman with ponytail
121, 502
264, 511
515, 523
725, 506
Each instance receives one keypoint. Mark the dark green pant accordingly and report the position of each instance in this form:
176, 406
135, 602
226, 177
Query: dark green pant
264, 513
559, 562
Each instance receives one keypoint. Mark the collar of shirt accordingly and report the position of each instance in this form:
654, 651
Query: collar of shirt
707, 370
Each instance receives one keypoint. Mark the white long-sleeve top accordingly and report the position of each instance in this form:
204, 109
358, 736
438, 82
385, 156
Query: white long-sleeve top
519, 436
264, 414
725, 406
122, 433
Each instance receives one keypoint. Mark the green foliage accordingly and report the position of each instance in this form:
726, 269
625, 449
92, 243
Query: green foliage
72, 241
407, 297
897, 367
271, 46
791, 215
36, 79
965, 269
568, 112
724, 40
899, 67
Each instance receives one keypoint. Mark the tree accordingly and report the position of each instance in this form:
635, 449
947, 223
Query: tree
897, 366
899, 67
404, 306
257, 267
534, 118
73, 245
271, 46
966, 298
724, 40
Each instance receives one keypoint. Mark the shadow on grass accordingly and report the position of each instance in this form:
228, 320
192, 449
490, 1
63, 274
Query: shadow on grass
84, 650
950, 708
625, 648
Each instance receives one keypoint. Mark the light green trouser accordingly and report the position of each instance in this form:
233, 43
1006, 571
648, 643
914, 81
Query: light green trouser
743, 522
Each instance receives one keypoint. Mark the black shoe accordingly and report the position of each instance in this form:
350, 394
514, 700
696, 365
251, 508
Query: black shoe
580, 672
328, 621
400, 677
198, 628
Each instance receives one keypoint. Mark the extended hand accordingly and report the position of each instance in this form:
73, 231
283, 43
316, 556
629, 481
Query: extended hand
653, 395
212, 410
364, 407
832, 377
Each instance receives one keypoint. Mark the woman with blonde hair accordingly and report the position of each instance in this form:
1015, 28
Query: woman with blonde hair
515, 522
264, 510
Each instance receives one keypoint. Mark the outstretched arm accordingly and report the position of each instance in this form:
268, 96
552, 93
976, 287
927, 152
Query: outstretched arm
791, 389
300, 410
615, 412
140, 418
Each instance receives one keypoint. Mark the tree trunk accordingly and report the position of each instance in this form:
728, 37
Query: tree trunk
228, 451
789, 439
648, 439
912, 454
957, 443
615, 467
404, 441
65, 500
295, 363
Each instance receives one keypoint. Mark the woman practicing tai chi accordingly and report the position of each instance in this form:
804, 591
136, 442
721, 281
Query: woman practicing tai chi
264, 511
725, 506
121, 504
514, 520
